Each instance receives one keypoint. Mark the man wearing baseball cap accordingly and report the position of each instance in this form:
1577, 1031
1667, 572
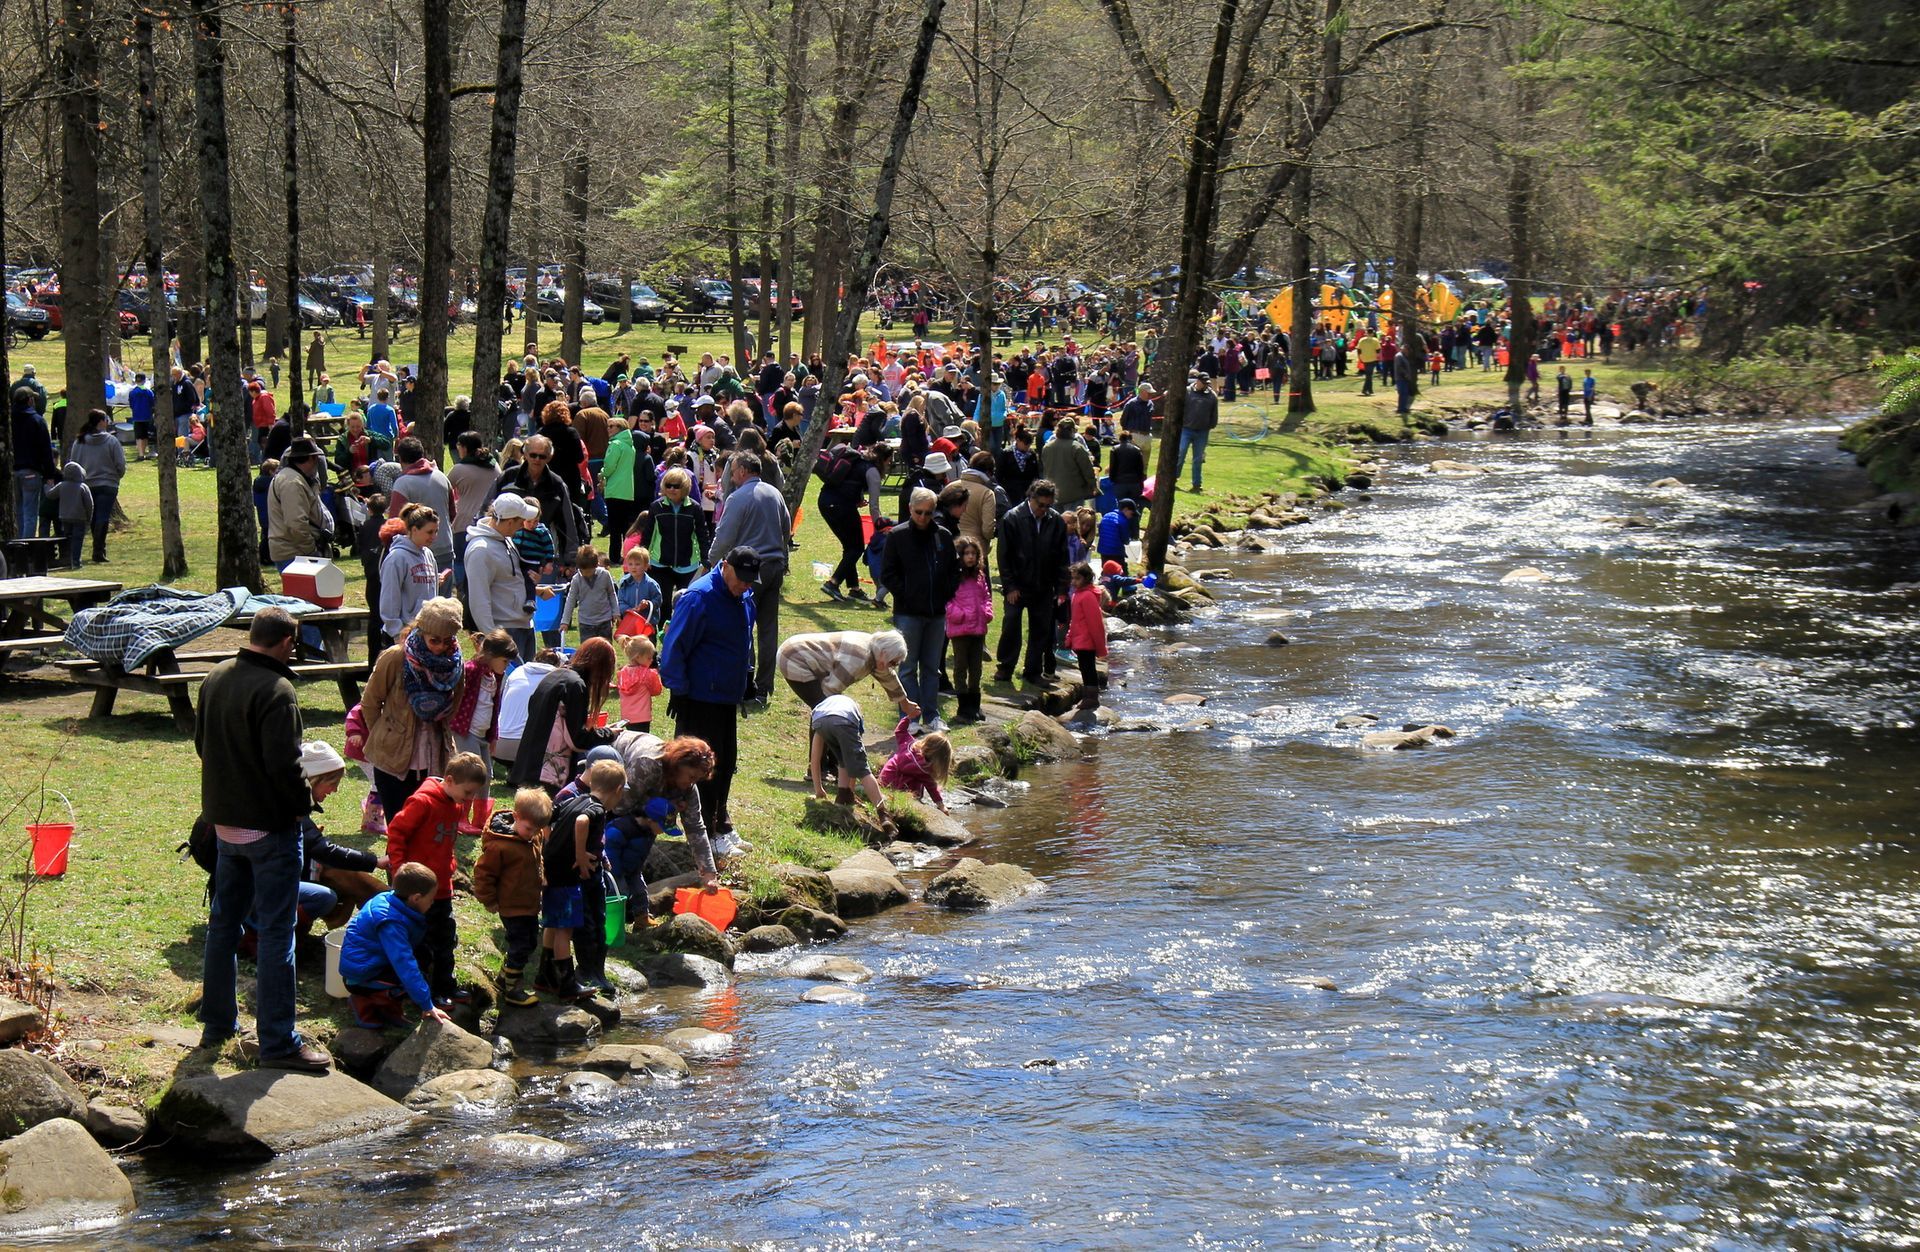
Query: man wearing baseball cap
496, 590
706, 661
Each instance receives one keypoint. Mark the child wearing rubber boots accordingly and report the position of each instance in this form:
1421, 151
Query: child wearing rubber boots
377, 960
508, 879
424, 831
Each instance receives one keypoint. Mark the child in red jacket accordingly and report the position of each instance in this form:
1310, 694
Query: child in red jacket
1087, 631
423, 831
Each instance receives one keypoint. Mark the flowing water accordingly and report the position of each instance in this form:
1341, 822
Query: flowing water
1628, 963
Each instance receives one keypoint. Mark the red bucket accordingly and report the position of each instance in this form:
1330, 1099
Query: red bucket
50, 843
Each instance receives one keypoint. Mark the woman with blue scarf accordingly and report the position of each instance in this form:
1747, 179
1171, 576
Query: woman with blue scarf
409, 703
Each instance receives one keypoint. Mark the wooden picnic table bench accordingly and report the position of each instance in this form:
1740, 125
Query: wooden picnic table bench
30, 555
28, 625
172, 673
697, 321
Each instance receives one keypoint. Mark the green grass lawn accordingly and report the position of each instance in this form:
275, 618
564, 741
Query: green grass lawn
123, 927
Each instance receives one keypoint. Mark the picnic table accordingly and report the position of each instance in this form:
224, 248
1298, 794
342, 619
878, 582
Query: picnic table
28, 555
172, 674
697, 321
28, 625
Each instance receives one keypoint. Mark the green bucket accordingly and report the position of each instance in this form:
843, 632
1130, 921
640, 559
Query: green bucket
616, 920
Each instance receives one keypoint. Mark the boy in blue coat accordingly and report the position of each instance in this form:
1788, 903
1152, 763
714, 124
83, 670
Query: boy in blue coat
1117, 529
378, 960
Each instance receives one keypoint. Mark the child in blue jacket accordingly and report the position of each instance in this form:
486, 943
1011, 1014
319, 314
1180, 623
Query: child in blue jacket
377, 958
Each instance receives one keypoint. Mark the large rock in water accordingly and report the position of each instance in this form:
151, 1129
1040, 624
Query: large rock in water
687, 969
1044, 737
359, 1051
683, 932
698, 1041
769, 938
55, 1175
35, 1090
974, 884
864, 888
546, 1025
624, 1060
434, 1048
259, 1113
811, 924
922, 823
464, 1089
1150, 607
801, 885
1401, 740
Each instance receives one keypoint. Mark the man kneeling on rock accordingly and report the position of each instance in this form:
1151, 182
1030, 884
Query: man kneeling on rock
377, 960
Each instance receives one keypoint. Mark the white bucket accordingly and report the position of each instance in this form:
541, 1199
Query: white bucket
335, 986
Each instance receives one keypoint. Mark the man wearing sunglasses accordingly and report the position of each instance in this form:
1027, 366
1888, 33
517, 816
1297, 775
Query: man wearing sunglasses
534, 480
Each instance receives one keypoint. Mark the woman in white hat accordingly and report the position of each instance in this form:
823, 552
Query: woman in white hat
934, 473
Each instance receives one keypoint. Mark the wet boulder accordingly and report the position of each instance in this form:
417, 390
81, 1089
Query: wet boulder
828, 969
800, 885
864, 892
434, 1048
688, 969
699, 1042
975, 761
514, 1147
1150, 607
257, 1114
1356, 721
684, 932
1526, 574
1043, 738
811, 924
1666, 484
917, 822
54, 1175
546, 1026
474, 1089
769, 938
584, 1084
115, 1125
35, 1090
626, 1060
974, 884
833, 993
1401, 740
1457, 468
359, 1051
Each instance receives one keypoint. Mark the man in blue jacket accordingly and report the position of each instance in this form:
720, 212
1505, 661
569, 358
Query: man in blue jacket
1118, 528
706, 661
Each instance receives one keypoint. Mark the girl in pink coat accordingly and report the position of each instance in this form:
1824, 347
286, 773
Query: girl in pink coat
1087, 631
967, 616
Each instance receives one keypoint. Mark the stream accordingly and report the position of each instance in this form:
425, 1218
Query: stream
1630, 962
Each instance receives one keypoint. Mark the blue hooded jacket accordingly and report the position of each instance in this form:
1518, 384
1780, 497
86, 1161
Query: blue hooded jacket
379, 946
1116, 531
707, 654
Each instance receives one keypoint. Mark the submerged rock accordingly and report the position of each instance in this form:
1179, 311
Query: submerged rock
515, 1146
833, 993
1665, 484
1400, 740
1525, 574
769, 938
684, 932
546, 1025
464, 1089
1355, 721
583, 1084
811, 924
828, 969
259, 1113
1454, 467
698, 1041
54, 1175
974, 884
1185, 698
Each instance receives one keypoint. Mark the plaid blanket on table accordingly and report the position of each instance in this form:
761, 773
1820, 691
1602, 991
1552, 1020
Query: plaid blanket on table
128, 629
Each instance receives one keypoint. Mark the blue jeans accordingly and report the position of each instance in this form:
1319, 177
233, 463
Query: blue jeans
262, 880
1197, 441
1404, 390
75, 545
920, 672
32, 486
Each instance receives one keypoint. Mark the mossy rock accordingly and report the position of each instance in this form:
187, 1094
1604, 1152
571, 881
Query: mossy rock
811, 923
800, 885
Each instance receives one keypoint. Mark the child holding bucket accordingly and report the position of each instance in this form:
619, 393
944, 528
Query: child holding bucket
377, 960
423, 831
572, 859
507, 880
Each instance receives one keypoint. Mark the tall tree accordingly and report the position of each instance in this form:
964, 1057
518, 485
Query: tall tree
83, 300
9, 517
573, 265
436, 22
290, 189
238, 562
491, 304
1300, 333
846, 317
173, 548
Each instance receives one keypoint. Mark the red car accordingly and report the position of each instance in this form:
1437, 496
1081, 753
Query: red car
50, 301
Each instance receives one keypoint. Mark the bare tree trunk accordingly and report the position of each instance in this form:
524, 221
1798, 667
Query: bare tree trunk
173, 548
382, 300
790, 140
1196, 260
436, 20
192, 327
1410, 221
626, 301
770, 163
737, 298
846, 319
530, 303
1520, 241
238, 564
1299, 335
83, 300
573, 269
290, 186
9, 515
491, 303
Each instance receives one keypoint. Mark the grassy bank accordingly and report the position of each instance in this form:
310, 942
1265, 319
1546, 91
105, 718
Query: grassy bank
123, 929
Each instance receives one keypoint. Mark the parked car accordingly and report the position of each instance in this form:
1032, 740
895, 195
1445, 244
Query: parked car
702, 295
26, 317
553, 308
753, 297
645, 301
49, 301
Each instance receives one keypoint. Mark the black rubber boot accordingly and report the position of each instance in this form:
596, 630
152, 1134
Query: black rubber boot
100, 544
547, 978
507, 987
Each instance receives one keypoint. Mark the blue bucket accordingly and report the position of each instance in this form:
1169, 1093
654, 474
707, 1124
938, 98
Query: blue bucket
546, 613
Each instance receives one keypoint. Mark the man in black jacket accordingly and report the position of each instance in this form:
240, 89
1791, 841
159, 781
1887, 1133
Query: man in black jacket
535, 480
1127, 469
1033, 574
919, 571
248, 736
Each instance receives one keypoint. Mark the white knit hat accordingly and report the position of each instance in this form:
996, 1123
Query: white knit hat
318, 758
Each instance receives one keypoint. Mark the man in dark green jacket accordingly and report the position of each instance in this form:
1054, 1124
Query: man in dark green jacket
247, 733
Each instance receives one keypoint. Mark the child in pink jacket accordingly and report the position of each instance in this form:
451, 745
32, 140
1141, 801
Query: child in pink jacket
967, 616
1087, 631
918, 766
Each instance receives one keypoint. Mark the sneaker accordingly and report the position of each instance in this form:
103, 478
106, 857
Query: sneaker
859, 594
916, 727
728, 845
936, 726
832, 590
1065, 656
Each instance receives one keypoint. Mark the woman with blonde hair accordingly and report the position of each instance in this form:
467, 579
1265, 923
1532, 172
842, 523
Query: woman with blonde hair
409, 702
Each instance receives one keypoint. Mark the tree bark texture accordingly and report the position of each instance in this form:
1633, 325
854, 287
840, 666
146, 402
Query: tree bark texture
83, 297
491, 304
1300, 333
290, 188
173, 548
430, 393
573, 268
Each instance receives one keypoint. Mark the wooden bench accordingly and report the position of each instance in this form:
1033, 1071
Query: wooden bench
162, 676
30, 555
1003, 335
697, 321
29, 643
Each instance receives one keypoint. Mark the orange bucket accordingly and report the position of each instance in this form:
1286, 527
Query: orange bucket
717, 906
50, 843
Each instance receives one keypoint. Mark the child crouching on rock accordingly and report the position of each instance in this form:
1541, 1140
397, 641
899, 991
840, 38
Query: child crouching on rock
508, 880
377, 959
838, 730
918, 766
1087, 631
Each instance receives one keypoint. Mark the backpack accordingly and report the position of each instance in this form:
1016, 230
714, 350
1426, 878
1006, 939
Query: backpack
202, 845
836, 467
